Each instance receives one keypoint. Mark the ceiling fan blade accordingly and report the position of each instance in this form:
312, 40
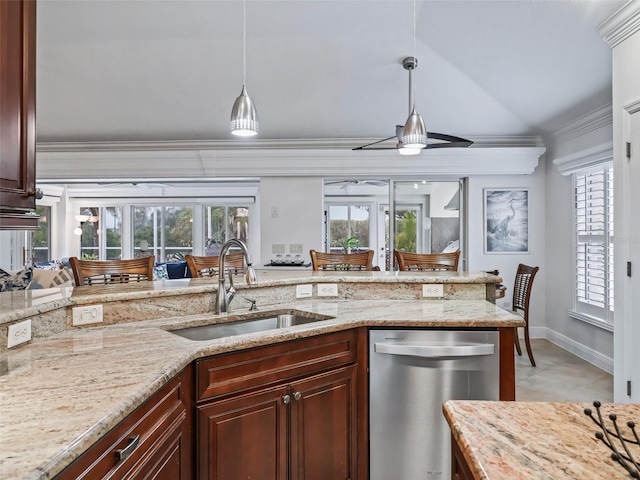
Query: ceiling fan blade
363, 147
448, 141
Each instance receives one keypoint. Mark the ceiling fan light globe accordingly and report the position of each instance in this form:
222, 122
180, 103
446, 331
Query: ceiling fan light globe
402, 150
414, 133
244, 117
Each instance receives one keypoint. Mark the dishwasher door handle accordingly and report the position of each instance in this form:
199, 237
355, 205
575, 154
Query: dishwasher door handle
435, 351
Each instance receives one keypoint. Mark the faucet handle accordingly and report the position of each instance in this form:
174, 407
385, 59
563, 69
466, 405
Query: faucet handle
231, 292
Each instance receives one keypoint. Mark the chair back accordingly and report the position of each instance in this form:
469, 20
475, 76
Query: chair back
427, 261
522, 287
105, 272
341, 261
209, 266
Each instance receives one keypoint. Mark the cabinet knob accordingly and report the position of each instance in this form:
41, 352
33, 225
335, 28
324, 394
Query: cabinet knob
297, 396
286, 399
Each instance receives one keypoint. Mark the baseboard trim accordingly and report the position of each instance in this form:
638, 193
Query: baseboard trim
586, 353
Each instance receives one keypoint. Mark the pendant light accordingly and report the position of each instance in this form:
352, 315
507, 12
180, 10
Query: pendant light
414, 134
244, 117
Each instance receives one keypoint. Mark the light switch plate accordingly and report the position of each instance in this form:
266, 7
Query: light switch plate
327, 289
277, 248
87, 315
295, 248
432, 290
304, 291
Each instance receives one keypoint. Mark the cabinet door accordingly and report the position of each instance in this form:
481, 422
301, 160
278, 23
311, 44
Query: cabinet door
324, 426
168, 460
17, 114
244, 437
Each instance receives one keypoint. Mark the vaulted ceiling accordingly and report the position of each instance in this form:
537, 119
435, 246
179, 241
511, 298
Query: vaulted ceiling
170, 70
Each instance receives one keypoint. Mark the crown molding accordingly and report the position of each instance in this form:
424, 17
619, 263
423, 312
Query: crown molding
598, 118
303, 144
589, 157
250, 163
622, 24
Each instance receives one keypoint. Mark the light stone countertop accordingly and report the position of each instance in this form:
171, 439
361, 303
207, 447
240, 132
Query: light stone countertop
21, 304
60, 394
536, 441
63, 392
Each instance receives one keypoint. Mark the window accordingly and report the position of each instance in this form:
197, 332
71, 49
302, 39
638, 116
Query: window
594, 242
348, 222
101, 234
41, 238
223, 223
163, 231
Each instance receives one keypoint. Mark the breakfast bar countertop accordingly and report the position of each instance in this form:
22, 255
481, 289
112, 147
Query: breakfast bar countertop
62, 393
537, 440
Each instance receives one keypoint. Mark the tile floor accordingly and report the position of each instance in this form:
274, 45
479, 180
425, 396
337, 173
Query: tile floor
559, 376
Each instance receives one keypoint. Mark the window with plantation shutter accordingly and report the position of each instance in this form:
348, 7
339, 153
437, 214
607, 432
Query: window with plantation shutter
594, 242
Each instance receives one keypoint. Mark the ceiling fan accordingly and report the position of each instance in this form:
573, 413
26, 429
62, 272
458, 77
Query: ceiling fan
434, 140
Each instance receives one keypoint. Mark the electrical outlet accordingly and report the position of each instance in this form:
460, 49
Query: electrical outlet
18, 333
327, 289
277, 248
87, 315
304, 291
506, 305
432, 290
275, 212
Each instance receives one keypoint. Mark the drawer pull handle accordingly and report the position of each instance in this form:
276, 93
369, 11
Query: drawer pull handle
286, 399
297, 396
123, 453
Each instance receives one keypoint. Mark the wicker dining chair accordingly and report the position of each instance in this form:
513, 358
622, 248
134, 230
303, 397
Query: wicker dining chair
521, 297
341, 261
209, 266
105, 272
427, 261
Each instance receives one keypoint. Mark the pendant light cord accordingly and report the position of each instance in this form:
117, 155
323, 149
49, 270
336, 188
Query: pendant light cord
244, 42
414, 56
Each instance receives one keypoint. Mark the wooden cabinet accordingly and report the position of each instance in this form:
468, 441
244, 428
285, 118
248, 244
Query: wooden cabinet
299, 413
459, 468
154, 441
17, 114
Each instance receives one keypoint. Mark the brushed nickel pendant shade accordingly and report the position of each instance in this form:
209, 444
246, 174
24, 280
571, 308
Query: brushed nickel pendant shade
244, 117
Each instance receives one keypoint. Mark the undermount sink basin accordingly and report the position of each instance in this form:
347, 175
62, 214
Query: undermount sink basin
241, 327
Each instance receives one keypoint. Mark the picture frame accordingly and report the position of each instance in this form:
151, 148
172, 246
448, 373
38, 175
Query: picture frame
506, 220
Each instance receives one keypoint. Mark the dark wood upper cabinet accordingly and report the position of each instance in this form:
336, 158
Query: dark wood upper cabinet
18, 114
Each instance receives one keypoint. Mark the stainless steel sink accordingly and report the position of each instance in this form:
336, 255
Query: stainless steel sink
242, 327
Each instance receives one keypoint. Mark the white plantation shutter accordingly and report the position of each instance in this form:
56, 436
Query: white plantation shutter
594, 241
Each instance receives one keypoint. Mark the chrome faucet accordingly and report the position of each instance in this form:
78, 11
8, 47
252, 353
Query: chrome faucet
224, 296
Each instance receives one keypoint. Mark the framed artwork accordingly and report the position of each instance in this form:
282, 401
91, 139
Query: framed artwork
506, 220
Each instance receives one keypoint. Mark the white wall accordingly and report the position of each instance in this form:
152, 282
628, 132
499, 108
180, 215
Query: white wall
299, 202
589, 342
508, 263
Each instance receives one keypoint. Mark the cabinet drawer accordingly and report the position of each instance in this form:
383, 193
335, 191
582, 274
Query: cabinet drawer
260, 367
122, 452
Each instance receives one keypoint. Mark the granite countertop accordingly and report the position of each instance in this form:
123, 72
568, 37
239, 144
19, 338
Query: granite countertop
20, 304
60, 394
536, 441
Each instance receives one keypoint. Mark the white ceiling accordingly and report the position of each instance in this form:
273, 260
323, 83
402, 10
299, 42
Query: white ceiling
170, 70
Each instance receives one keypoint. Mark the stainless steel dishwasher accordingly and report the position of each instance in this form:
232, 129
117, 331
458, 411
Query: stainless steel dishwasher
412, 373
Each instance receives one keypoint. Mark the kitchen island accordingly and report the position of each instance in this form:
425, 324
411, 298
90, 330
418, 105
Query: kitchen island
61, 394
534, 441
